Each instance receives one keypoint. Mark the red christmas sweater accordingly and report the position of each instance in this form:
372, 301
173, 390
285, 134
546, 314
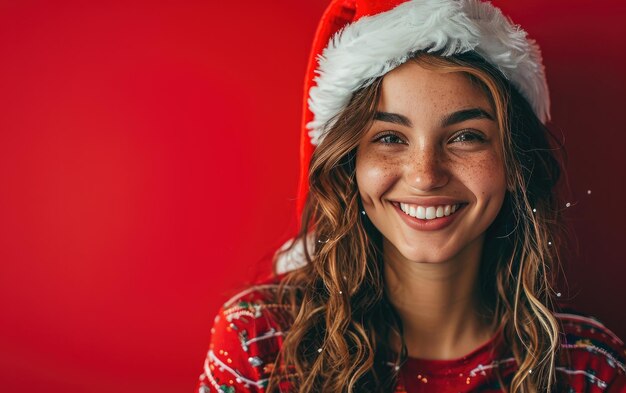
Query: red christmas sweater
249, 329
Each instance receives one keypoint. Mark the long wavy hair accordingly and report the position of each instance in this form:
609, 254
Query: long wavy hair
342, 320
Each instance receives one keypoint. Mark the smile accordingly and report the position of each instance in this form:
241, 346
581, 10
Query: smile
434, 217
428, 212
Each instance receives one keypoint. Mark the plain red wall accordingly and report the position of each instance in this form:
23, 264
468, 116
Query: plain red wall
148, 161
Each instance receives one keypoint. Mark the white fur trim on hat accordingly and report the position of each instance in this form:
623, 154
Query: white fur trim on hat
294, 258
374, 45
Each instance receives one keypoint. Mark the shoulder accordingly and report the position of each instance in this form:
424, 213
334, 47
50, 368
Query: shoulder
591, 355
246, 337
254, 312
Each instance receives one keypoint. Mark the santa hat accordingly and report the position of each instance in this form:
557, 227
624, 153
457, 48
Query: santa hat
359, 40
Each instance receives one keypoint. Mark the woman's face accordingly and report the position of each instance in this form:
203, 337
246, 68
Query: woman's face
429, 170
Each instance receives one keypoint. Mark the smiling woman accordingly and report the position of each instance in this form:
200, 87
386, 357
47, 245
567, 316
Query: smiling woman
446, 156
430, 232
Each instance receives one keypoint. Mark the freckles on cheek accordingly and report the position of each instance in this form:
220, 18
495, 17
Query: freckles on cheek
374, 176
486, 174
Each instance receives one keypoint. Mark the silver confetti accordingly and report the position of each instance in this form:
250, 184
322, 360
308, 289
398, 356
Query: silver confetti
255, 361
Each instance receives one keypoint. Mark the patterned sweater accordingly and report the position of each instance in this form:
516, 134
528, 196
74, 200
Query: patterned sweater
249, 329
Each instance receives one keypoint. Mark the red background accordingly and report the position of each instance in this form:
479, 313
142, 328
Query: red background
148, 166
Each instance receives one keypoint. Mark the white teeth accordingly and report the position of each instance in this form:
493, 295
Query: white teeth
421, 212
429, 212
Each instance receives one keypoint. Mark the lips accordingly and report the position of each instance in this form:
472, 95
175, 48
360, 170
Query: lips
431, 224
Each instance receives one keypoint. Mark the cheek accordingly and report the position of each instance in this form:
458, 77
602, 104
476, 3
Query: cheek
485, 175
374, 175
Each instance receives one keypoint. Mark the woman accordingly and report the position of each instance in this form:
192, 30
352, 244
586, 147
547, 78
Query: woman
430, 230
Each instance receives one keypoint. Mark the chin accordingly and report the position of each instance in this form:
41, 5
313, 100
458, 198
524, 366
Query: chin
426, 259
435, 250
420, 256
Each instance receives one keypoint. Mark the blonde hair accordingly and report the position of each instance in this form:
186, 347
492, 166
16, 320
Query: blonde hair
353, 328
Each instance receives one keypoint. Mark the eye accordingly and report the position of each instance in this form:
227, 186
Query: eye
468, 137
389, 138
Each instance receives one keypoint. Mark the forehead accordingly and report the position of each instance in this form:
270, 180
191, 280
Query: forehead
419, 92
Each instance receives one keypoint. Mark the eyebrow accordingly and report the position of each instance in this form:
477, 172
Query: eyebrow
393, 118
448, 120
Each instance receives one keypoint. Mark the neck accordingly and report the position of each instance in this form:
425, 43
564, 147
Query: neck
438, 303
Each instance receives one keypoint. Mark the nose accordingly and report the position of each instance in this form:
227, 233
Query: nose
426, 170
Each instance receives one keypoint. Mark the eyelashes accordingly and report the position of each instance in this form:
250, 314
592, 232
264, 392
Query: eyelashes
388, 138
465, 137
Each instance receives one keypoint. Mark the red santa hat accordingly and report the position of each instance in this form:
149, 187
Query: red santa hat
359, 40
